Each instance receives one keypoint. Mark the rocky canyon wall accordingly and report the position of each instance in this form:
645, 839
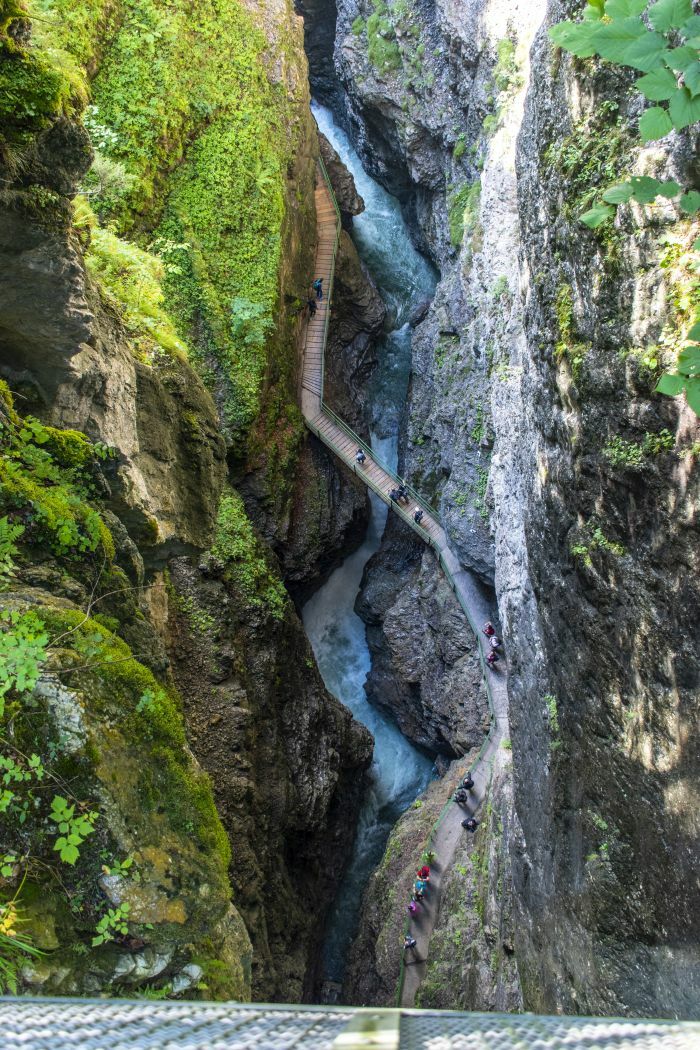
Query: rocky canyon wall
563, 481
153, 457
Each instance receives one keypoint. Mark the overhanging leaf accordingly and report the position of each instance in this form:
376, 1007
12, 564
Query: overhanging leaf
669, 189
691, 76
689, 361
654, 123
669, 14
618, 194
624, 8
645, 53
690, 202
694, 332
657, 85
670, 384
614, 38
644, 188
597, 215
683, 109
680, 58
574, 38
692, 392
691, 27
593, 11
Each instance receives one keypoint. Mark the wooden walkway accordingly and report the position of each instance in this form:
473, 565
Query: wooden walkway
331, 430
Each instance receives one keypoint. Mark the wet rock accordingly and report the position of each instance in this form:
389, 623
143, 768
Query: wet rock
356, 322
425, 669
349, 200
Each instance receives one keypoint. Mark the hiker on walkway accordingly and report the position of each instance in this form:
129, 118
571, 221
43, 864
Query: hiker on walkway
360, 457
394, 495
409, 943
403, 493
495, 642
311, 303
318, 287
492, 659
413, 906
419, 888
417, 515
424, 873
461, 797
489, 629
468, 782
470, 824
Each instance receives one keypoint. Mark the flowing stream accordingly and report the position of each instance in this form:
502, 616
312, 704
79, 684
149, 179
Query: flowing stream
399, 771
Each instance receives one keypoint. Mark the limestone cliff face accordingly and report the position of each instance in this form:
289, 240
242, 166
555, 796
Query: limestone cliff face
425, 671
561, 477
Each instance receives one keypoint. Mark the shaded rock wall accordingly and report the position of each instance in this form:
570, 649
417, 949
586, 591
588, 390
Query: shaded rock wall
425, 672
286, 759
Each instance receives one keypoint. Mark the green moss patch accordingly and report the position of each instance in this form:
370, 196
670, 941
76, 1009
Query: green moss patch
243, 556
45, 485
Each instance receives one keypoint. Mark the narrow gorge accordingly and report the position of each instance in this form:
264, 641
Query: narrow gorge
239, 687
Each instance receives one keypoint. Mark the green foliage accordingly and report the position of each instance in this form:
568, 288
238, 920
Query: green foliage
107, 184
567, 346
506, 74
500, 288
15, 946
359, 26
681, 337
23, 644
552, 714
598, 541
242, 555
196, 138
117, 683
463, 210
131, 281
47, 490
382, 48
617, 33
460, 146
591, 158
113, 923
73, 828
621, 453
8, 549
36, 85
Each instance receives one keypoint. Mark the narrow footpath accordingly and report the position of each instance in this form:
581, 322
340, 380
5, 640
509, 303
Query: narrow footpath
331, 430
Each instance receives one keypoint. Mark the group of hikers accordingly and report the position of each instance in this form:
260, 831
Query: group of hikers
315, 292
422, 881
396, 495
420, 888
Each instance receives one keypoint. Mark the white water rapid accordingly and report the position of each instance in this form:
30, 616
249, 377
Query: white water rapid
399, 771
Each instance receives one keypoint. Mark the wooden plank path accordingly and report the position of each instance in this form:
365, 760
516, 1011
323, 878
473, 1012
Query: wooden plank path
333, 432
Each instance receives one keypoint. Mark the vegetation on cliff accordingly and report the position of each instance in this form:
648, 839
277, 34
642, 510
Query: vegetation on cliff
662, 41
101, 802
194, 134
